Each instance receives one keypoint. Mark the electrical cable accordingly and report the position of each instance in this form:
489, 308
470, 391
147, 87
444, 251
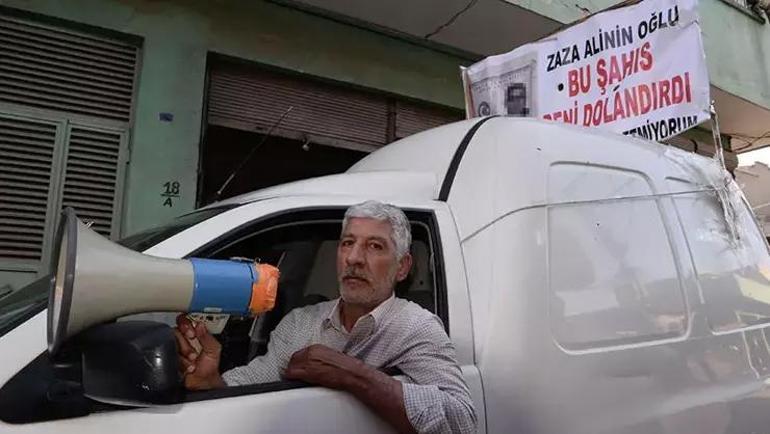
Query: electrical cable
451, 20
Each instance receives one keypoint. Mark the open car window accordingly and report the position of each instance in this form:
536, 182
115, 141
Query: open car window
302, 242
304, 246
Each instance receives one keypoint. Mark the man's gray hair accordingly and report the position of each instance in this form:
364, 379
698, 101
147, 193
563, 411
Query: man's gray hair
400, 233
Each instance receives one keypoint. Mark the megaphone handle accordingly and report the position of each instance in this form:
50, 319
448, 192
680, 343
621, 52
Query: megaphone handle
194, 342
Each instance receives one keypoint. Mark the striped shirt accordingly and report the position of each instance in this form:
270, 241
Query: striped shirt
398, 333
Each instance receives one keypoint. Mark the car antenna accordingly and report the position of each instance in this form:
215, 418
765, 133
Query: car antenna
248, 157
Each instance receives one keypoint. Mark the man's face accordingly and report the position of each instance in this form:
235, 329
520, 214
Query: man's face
367, 268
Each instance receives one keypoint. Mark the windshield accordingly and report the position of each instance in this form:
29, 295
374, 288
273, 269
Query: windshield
17, 306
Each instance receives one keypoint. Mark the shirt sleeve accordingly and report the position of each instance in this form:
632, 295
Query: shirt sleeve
436, 397
268, 367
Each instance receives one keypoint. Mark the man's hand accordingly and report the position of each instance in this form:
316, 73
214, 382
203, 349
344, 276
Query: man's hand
200, 369
323, 366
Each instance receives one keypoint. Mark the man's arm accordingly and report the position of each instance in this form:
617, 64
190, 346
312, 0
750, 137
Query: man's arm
436, 398
436, 401
321, 365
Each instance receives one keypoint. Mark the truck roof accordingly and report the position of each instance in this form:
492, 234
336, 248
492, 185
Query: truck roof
418, 166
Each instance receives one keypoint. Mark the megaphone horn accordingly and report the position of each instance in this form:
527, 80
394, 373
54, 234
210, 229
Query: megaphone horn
95, 280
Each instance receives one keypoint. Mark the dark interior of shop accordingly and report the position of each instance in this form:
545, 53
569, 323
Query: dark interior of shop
276, 161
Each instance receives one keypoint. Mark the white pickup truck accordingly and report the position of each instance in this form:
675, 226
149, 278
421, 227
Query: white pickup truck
591, 283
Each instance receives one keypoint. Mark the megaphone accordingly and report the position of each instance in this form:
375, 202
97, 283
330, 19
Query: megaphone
95, 280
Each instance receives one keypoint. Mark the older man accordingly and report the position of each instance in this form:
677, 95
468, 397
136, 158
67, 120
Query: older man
341, 344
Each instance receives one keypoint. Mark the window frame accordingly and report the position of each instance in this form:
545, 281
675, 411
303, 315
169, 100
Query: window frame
265, 223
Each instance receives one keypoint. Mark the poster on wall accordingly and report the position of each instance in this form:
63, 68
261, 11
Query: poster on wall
638, 70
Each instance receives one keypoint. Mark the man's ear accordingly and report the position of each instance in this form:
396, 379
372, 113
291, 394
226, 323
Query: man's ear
404, 265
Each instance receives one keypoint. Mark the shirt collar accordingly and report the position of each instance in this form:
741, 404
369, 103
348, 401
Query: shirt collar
378, 315
380, 312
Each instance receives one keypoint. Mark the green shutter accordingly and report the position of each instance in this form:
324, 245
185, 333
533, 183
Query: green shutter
27, 152
57, 69
66, 100
93, 168
49, 164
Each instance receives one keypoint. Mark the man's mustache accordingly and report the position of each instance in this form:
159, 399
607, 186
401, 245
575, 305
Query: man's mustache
355, 274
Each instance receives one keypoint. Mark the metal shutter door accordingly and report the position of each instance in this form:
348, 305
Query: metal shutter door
412, 118
77, 90
50, 68
27, 149
91, 180
251, 99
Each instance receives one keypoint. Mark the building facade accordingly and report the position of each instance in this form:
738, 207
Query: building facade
137, 111
755, 182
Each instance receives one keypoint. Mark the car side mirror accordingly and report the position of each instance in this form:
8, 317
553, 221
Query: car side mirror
131, 363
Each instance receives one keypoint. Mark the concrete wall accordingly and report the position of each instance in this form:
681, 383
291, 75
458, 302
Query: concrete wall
177, 36
737, 47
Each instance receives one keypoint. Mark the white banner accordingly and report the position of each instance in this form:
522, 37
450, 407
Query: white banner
637, 70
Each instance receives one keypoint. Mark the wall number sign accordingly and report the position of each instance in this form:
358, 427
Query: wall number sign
170, 191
